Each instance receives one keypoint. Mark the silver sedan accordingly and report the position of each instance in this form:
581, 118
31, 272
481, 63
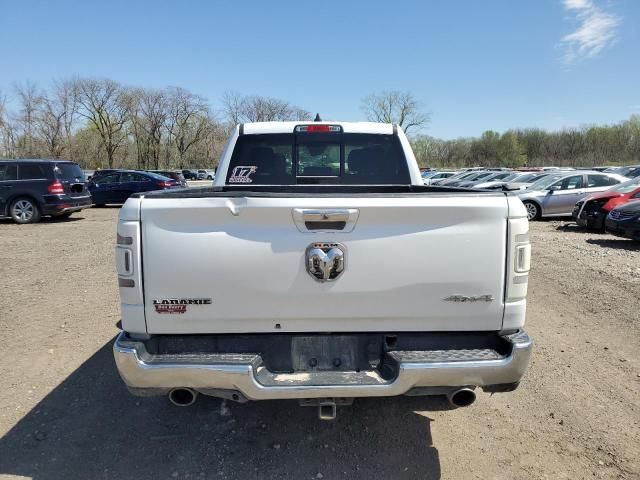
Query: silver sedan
556, 194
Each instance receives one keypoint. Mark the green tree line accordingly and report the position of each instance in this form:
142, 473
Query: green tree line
588, 146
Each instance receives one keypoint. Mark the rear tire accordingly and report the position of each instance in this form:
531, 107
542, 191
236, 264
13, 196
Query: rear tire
24, 210
533, 210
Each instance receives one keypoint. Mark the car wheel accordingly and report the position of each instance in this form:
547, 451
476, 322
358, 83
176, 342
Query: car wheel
533, 210
24, 210
209, 177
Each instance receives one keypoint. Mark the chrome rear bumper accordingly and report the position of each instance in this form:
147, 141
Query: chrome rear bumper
147, 374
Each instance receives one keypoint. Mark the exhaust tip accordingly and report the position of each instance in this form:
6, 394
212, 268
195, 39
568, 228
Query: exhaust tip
462, 397
183, 397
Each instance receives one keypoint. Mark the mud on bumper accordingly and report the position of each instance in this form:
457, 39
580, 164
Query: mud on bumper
244, 376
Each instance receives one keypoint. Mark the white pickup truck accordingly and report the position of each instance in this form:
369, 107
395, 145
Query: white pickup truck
319, 267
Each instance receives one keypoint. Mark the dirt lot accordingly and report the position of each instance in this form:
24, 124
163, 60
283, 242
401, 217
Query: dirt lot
64, 413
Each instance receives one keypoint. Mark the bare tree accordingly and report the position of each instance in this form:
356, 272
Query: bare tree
256, 108
66, 95
300, 114
232, 107
148, 114
188, 120
3, 110
103, 103
7, 131
49, 125
401, 108
29, 98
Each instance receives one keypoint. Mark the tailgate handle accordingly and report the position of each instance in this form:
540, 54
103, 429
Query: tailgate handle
325, 220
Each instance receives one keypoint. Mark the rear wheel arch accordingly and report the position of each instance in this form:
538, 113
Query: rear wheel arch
16, 196
37, 213
530, 205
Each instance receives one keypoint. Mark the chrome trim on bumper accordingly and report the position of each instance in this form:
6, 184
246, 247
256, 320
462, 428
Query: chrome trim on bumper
74, 209
243, 373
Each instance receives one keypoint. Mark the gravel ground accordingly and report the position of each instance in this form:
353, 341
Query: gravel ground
64, 412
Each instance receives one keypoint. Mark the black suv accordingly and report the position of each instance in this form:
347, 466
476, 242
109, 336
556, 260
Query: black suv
30, 189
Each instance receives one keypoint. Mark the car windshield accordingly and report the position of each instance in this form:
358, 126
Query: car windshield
508, 178
502, 176
472, 176
528, 177
620, 170
483, 175
545, 182
461, 175
626, 187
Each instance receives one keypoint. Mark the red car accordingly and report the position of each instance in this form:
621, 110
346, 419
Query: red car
592, 211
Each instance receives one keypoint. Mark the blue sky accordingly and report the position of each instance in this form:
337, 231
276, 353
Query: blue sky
476, 65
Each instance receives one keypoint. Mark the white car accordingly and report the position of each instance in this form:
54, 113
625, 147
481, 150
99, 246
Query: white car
318, 267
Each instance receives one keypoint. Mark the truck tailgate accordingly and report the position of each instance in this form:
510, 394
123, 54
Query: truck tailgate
234, 265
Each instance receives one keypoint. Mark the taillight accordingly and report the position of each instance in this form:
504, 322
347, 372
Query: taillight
165, 184
55, 187
319, 128
519, 259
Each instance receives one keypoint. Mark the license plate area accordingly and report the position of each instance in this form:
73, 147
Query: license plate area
76, 187
333, 352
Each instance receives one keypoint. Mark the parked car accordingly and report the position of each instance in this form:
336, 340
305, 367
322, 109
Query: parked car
177, 176
453, 178
465, 180
190, 174
30, 189
624, 221
102, 173
436, 175
602, 168
516, 181
492, 176
556, 194
629, 171
592, 211
120, 185
208, 174
491, 182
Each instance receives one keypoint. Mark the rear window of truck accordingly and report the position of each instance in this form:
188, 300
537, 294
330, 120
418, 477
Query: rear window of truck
318, 158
